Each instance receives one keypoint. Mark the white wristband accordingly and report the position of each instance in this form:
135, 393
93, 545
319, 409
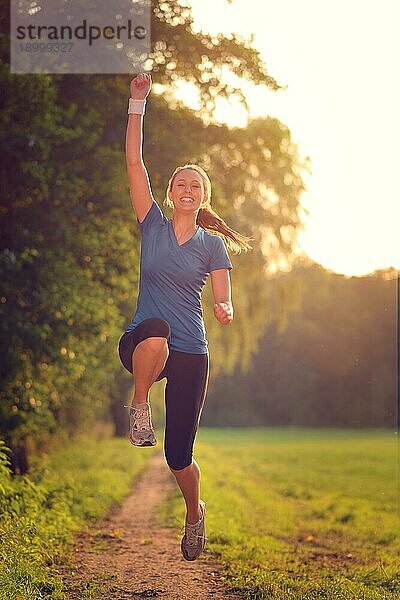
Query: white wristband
136, 107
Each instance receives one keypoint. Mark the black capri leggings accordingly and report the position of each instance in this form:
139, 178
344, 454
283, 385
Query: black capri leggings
187, 381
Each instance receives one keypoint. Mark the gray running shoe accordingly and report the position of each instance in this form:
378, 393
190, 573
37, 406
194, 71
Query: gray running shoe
141, 432
194, 540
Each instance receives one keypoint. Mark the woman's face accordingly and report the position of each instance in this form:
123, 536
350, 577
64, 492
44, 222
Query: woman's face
187, 191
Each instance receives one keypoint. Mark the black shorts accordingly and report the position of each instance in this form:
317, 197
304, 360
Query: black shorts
187, 381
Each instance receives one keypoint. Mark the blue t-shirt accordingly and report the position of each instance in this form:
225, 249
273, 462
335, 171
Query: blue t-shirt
172, 278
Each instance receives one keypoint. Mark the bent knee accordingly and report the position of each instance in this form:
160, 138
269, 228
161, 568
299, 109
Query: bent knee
155, 344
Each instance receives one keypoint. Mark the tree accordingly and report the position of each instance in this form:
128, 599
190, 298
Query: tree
332, 365
70, 248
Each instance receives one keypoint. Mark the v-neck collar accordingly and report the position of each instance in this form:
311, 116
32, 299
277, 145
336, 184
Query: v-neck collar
187, 241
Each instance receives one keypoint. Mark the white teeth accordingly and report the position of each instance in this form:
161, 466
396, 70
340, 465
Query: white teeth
187, 199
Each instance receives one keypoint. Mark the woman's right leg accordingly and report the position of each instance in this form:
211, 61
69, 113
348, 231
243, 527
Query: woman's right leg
148, 360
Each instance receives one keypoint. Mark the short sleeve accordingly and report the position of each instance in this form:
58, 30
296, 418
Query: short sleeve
219, 258
152, 220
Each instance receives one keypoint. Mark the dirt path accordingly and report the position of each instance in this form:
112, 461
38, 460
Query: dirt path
128, 555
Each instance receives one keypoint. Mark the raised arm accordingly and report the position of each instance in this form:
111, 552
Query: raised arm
139, 183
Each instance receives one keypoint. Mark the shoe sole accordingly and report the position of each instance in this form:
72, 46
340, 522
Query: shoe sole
144, 443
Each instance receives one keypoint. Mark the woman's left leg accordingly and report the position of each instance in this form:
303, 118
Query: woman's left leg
185, 394
188, 480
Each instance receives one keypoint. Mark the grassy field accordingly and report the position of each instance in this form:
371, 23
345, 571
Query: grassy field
301, 514
292, 514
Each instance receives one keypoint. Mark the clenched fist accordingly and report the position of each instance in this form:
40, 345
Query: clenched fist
223, 312
140, 86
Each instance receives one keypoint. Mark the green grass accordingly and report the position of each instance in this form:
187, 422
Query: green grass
41, 513
301, 514
291, 513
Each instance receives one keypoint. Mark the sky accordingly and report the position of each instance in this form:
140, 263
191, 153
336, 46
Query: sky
340, 62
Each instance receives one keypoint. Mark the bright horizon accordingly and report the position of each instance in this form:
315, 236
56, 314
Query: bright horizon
340, 62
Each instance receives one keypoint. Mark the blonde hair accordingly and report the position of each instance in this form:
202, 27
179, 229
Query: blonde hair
207, 218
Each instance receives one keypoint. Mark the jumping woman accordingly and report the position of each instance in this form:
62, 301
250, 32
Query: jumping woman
166, 337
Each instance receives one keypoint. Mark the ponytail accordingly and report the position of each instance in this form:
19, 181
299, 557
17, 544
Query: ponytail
207, 218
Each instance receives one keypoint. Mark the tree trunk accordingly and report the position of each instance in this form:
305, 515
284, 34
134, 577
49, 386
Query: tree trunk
19, 457
121, 396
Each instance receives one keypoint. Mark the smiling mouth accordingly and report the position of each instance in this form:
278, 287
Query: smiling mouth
187, 200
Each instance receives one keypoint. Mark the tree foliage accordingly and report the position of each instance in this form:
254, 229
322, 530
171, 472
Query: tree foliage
70, 244
178, 52
331, 364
